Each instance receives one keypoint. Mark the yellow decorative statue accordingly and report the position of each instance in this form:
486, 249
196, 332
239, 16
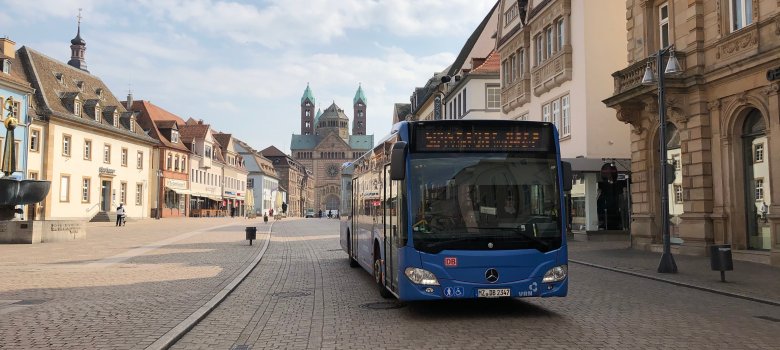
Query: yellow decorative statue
9, 151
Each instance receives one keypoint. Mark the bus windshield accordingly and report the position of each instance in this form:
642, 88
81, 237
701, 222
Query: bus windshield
485, 201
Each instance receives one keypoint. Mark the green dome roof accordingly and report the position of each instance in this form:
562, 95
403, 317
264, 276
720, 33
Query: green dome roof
307, 94
359, 96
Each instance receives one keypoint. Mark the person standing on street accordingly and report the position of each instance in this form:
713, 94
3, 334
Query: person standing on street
120, 215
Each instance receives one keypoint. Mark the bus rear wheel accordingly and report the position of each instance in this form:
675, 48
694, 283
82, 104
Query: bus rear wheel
383, 292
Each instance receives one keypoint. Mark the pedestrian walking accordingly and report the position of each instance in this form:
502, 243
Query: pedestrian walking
319, 214
120, 215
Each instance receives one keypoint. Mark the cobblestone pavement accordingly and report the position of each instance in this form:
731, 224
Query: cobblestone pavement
122, 287
747, 278
303, 295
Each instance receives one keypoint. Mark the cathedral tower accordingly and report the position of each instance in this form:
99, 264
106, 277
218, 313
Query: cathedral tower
307, 112
359, 118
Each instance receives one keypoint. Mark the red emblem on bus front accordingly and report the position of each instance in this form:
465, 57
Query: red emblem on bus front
451, 262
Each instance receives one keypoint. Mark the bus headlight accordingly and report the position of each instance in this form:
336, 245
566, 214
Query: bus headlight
555, 274
420, 276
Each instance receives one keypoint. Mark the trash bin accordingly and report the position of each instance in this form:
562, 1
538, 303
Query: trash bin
251, 234
720, 259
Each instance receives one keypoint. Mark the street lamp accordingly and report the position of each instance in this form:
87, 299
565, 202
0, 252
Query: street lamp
667, 264
159, 192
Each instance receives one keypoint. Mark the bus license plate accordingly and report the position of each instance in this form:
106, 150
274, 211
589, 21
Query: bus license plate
493, 293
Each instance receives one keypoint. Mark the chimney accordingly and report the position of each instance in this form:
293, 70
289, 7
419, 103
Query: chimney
7, 47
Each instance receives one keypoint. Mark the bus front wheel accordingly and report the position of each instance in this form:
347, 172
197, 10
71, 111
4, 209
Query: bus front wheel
383, 292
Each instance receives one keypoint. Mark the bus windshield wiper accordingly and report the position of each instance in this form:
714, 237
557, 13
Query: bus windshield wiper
517, 231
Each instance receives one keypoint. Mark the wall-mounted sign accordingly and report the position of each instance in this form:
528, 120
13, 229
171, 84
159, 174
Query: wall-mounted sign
176, 184
106, 171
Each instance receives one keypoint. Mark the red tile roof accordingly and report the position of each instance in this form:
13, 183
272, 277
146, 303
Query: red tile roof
492, 64
272, 151
151, 117
191, 132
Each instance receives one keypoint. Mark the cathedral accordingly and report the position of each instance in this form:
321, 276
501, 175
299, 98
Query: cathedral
325, 143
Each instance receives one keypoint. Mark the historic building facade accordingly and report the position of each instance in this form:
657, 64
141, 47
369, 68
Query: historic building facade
170, 161
262, 180
234, 175
556, 61
325, 144
15, 94
723, 126
294, 179
95, 154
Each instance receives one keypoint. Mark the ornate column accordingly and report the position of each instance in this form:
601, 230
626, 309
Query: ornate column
720, 176
697, 175
772, 92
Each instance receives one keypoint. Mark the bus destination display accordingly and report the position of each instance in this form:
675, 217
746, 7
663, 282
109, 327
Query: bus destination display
481, 139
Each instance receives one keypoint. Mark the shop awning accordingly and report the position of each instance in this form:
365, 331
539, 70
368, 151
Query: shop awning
180, 191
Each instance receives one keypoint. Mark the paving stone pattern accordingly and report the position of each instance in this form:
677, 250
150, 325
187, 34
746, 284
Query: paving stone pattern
122, 288
303, 295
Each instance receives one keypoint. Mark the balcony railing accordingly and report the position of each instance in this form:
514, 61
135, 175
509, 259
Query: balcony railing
515, 95
552, 72
631, 76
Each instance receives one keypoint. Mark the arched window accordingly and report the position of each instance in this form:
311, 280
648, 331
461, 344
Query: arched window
756, 180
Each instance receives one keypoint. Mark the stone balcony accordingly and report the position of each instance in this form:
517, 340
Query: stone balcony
552, 72
516, 94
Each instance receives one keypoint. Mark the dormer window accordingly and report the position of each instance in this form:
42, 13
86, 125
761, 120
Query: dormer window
175, 136
99, 92
97, 112
7, 66
77, 107
58, 76
132, 124
80, 85
116, 119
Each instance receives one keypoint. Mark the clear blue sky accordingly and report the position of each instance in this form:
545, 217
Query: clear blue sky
242, 66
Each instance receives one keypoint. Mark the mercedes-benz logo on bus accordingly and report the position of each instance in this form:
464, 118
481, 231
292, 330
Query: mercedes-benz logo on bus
491, 275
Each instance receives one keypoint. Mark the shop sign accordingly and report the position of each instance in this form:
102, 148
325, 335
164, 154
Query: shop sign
106, 171
176, 184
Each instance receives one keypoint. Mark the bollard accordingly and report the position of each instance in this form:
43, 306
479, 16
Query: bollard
720, 259
251, 234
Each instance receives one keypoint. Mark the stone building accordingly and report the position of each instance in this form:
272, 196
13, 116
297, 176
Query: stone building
294, 178
325, 144
170, 190
556, 61
723, 126
90, 147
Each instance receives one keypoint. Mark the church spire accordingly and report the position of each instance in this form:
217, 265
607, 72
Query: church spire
359, 108
77, 48
307, 95
359, 95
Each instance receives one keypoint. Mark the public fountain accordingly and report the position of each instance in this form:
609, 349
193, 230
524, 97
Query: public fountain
15, 193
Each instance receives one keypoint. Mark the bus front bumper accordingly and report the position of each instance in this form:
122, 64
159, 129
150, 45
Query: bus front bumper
453, 289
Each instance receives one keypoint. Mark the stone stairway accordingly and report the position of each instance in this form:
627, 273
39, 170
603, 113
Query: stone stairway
101, 217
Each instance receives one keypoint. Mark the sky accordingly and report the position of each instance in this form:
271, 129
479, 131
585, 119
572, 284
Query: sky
242, 66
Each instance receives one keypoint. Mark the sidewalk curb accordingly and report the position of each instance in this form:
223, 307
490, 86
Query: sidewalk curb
680, 284
172, 336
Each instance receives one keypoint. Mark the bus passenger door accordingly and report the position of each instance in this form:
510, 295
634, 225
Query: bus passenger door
354, 229
390, 220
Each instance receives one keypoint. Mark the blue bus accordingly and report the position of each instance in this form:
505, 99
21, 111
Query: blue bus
460, 209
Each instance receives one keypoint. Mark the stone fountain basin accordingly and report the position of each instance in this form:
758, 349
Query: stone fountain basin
15, 192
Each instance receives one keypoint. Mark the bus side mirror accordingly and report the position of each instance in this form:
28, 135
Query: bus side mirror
398, 161
567, 178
